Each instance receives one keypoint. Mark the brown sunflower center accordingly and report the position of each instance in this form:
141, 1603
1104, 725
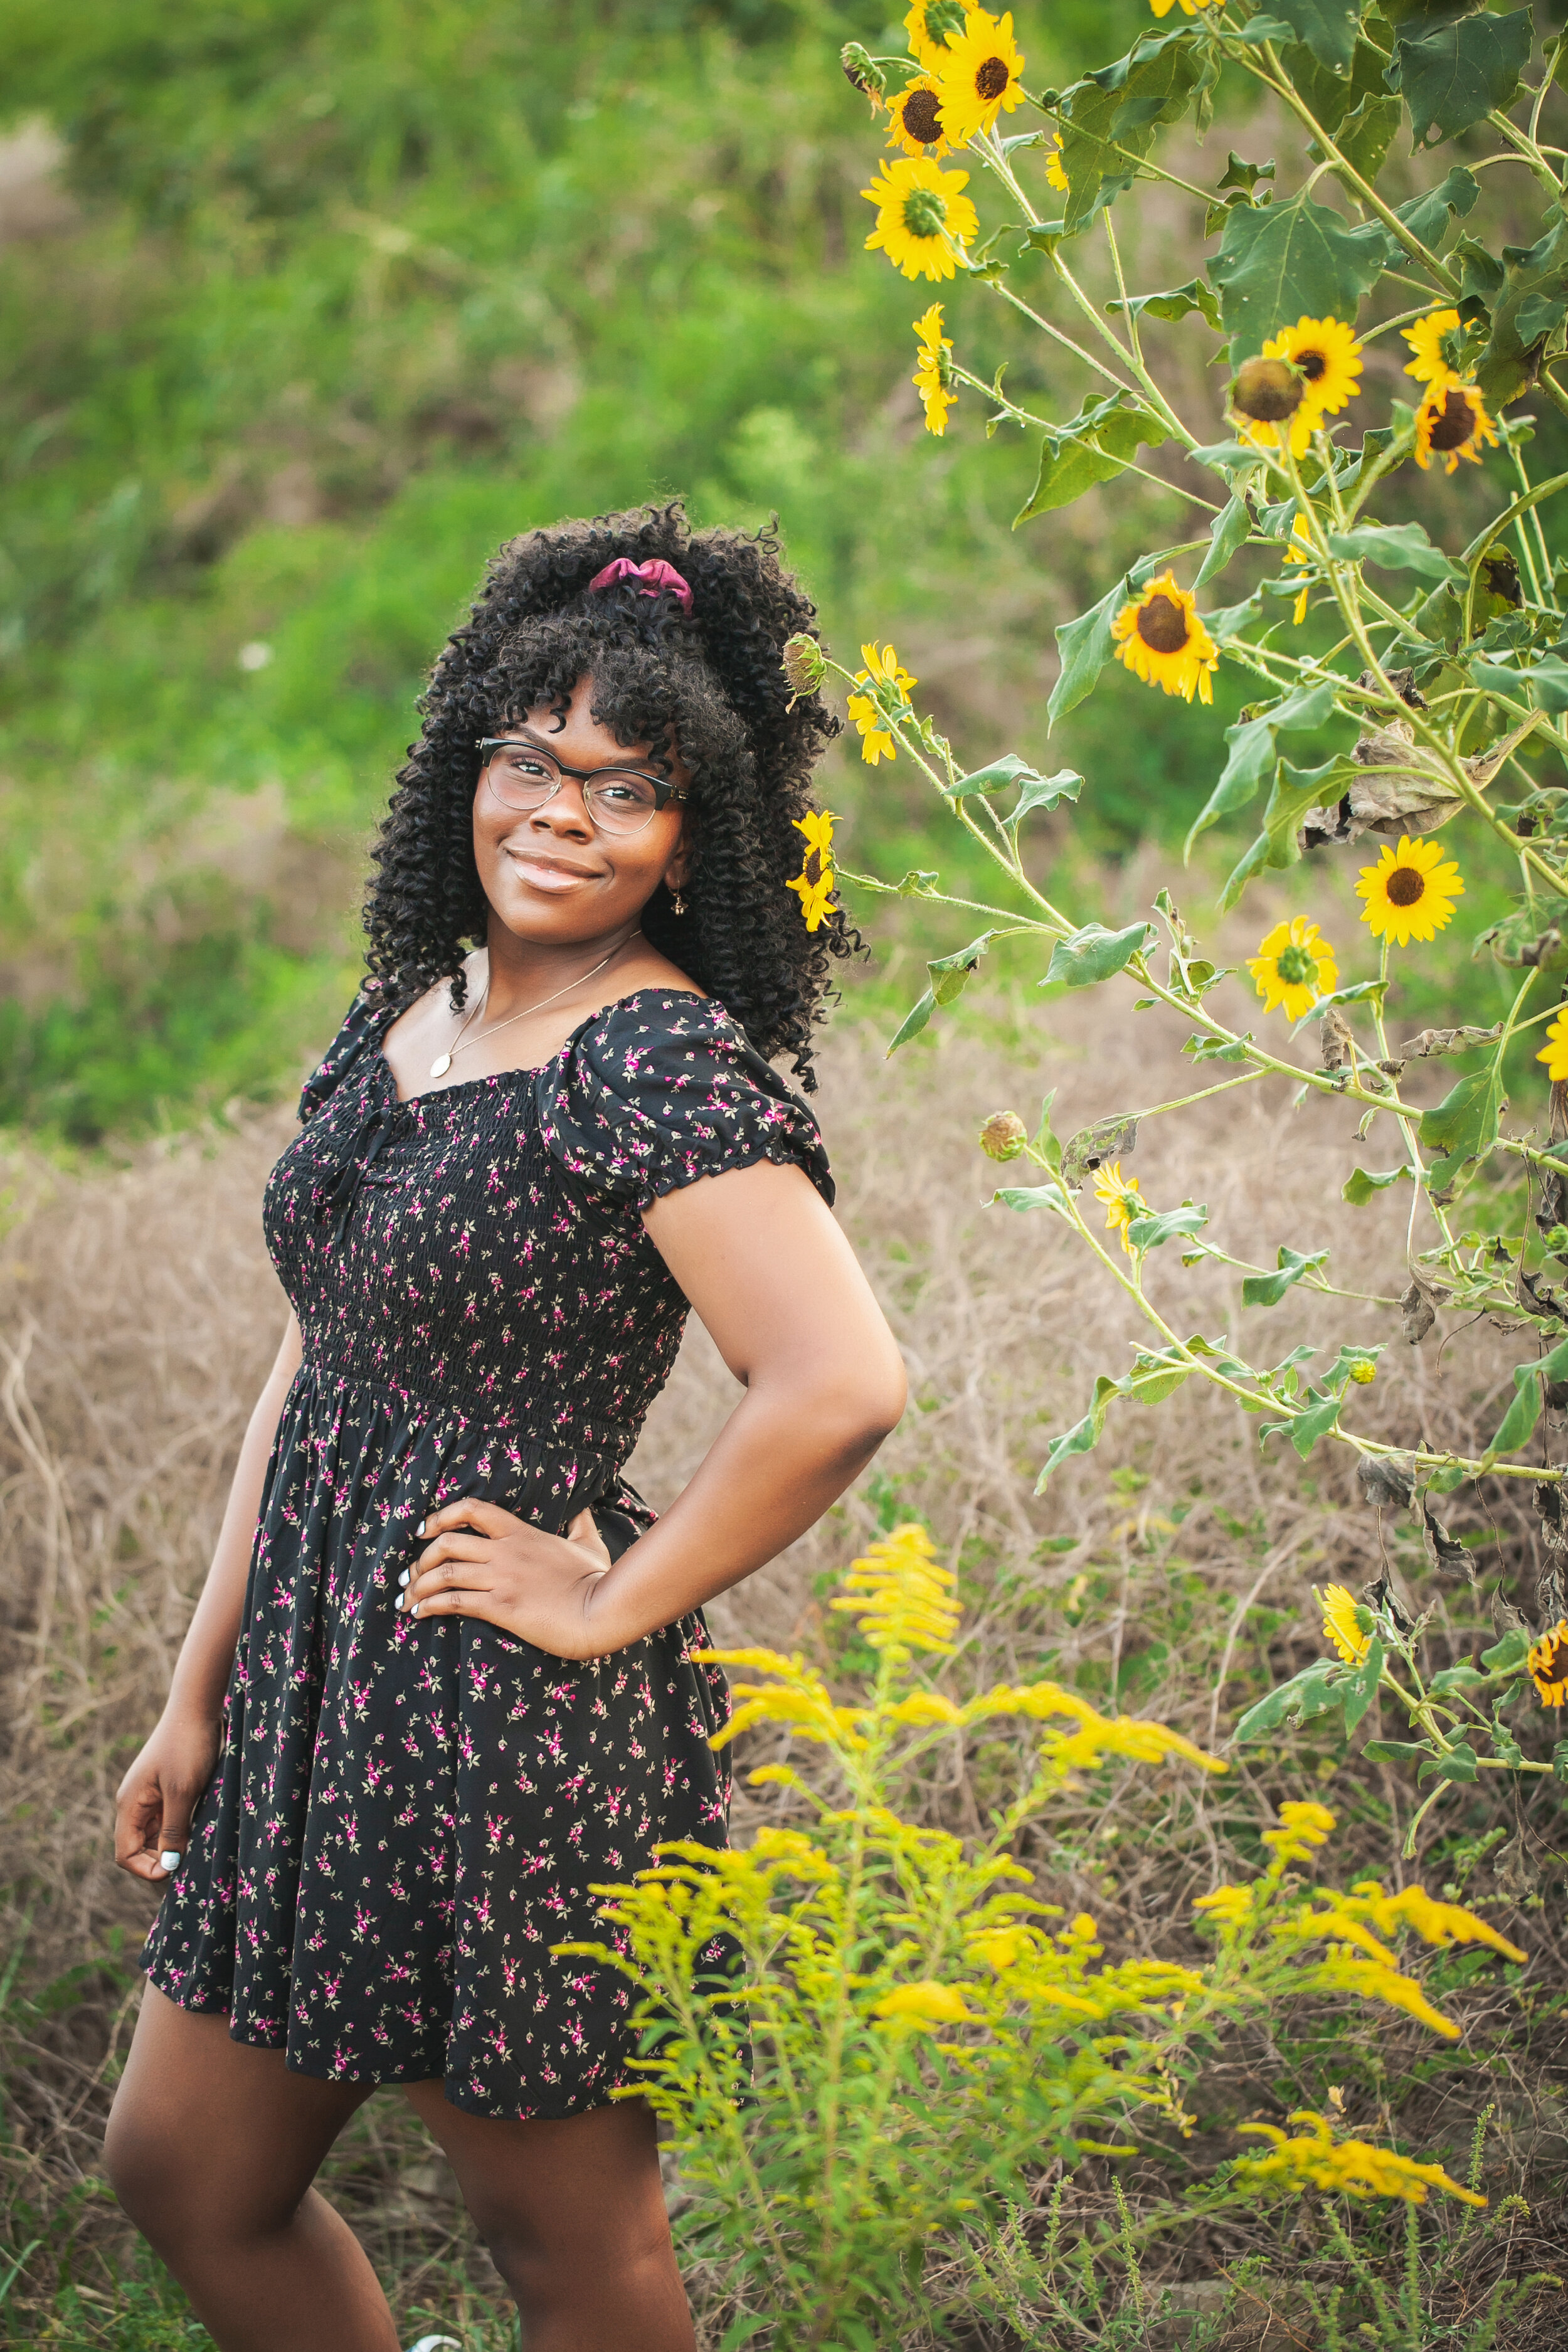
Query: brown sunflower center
922, 116
1163, 625
1266, 390
1456, 422
924, 212
1297, 966
991, 78
1404, 886
811, 866
1311, 364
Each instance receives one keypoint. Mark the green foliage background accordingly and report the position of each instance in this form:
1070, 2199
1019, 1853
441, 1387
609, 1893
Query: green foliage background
354, 293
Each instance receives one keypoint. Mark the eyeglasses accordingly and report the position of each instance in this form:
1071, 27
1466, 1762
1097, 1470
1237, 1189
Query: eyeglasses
619, 800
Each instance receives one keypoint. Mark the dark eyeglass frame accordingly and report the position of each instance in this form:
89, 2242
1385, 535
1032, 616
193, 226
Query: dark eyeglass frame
487, 746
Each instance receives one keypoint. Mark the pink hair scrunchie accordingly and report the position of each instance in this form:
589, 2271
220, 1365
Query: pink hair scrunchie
655, 575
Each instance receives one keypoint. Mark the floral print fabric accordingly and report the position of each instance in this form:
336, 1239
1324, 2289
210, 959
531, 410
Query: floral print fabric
407, 1816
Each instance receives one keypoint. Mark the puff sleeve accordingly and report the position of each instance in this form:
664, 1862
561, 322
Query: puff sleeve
663, 1088
365, 1019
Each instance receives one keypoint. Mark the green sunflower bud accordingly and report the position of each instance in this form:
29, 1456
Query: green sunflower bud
804, 665
1003, 1134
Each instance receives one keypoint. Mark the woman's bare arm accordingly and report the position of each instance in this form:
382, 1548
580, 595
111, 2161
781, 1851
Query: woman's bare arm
778, 1286
159, 1793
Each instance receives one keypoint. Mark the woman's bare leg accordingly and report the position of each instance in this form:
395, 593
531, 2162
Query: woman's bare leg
572, 2214
212, 2148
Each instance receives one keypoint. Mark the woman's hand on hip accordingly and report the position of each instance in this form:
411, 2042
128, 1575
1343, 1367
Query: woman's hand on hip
482, 1561
160, 1792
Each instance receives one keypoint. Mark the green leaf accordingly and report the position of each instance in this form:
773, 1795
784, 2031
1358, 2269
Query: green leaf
1295, 790
1024, 1197
1269, 1289
1117, 106
1362, 1185
1311, 1692
951, 974
1464, 1125
1230, 530
1153, 1379
740, 2331
1196, 295
1303, 1429
1085, 645
1150, 1233
1529, 291
996, 778
1365, 136
1459, 1764
1505, 1657
1092, 447
1522, 1414
1397, 547
1462, 1677
1298, 258
913, 1022
1428, 217
1094, 954
1329, 28
1359, 1685
1395, 1751
1043, 792
1253, 753
1456, 74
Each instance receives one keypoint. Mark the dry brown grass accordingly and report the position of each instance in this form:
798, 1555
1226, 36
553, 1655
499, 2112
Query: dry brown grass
138, 1316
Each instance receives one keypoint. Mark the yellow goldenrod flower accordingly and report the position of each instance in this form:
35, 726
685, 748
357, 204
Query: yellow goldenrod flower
1229, 1905
998, 1948
1555, 1053
933, 370
1426, 339
933, 25
915, 118
1340, 1626
979, 76
1300, 550
1548, 1665
1123, 1202
924, 2004
1452, 421
1162, 640
921, 216
1302, 1828
1293, 967
901, 1596
1410, 892
1434, 1923
1056, 171
1354, 2166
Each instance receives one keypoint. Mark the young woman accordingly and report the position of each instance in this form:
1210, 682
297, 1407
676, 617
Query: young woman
440, 1681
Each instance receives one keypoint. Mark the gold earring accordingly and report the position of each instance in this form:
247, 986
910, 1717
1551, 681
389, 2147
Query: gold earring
680, 903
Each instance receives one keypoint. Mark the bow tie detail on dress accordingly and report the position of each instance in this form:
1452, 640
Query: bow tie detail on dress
343, 1191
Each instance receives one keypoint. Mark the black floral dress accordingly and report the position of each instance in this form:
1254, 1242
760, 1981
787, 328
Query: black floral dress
408, 1815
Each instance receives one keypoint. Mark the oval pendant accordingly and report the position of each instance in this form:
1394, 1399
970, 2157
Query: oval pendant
440, 1066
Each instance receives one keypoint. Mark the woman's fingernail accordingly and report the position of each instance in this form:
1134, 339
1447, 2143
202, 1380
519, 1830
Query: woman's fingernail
400, 1602
420, 1528
171, 1860
404, 1578
414, 1609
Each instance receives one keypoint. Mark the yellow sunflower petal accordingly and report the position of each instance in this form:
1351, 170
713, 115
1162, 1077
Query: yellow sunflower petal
1410, 893
1450, 424
922, 216
979, 76
1161, 639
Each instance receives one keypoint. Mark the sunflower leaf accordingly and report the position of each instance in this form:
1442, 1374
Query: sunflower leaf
1296, 259
1395, 547
1359, 1685
1152, 1232
1230, 530
1456, 74
1464, 1125
1094, 954
951, 974
1328, 28
1177, 304
1362, 1185
1458, 1764
1269, 1289
1313, 1691
1097, 444
1252, 752
913, 1022
1427, 217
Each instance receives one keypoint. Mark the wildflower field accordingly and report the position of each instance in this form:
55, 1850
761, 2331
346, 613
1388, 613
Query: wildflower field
1144, 1922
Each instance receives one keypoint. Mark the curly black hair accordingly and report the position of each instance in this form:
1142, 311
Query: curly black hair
710, 681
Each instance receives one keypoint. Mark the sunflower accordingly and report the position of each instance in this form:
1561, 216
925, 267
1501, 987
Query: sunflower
1341, 1623
1555, 1053
1452, 420
1300, 550
979, 76
1123, 1202
933, 25
1325, 359
915, 118
1264, 393
921, 216
1055, 170
1548, 1665
876, 741
1293, 967
933, 370
1410, 892
889, 686
1427, 339
882, 664
1162, 641
1189, 7
816, 898
813, 884
817, 827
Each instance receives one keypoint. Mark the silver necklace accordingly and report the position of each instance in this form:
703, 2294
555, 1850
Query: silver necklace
443, 1062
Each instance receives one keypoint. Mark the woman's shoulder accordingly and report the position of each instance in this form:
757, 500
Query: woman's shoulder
662, 1088
362, 1028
